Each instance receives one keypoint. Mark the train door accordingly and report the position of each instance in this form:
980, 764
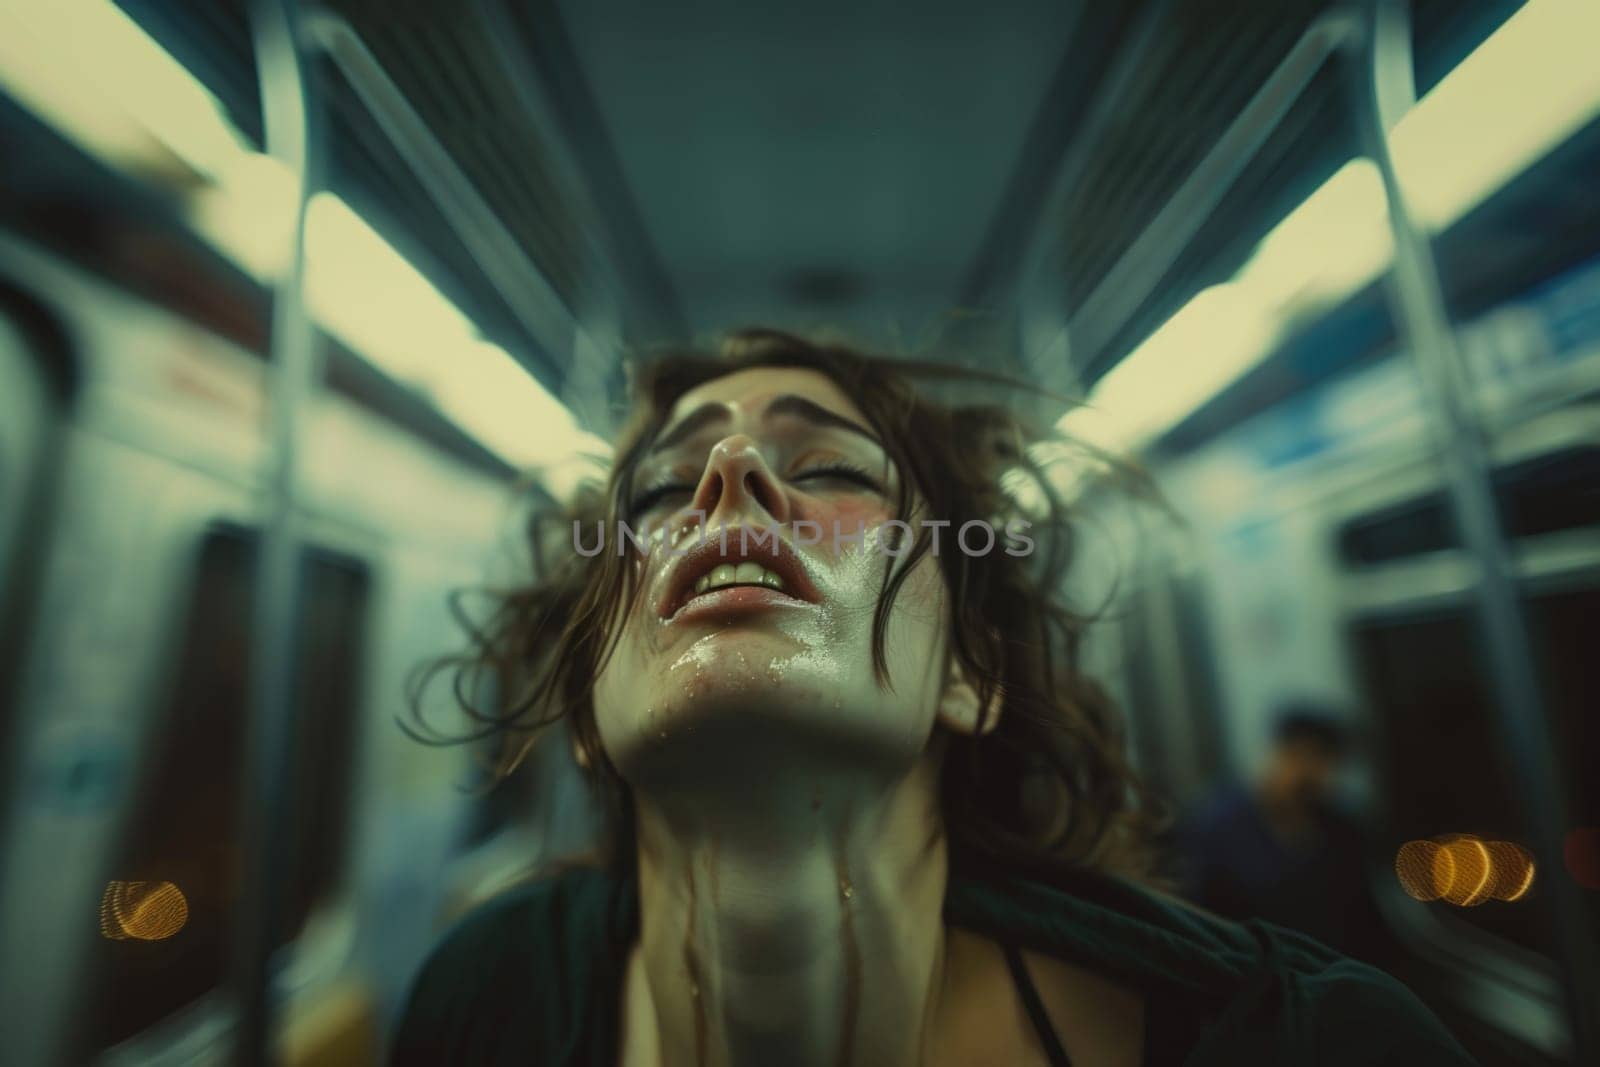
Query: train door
35, 390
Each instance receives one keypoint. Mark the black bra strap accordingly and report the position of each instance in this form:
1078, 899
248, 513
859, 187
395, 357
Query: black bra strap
1030, 1000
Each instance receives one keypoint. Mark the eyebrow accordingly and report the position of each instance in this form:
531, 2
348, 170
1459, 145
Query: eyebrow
788, 404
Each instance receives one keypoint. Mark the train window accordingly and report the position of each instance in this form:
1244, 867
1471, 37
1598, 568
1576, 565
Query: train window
167, 916
1556, 491
1442, 768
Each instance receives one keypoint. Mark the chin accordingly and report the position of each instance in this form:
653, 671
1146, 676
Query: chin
747, 724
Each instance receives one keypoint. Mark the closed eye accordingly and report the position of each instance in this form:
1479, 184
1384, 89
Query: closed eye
842, 472
653, 497
657, 494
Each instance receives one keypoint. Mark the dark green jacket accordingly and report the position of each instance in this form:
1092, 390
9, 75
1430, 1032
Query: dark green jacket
535, 977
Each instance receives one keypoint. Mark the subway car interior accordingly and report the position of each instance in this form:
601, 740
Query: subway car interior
304, 305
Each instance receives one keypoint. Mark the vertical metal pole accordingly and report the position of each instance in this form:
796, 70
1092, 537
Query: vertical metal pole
294, 375
1384, 88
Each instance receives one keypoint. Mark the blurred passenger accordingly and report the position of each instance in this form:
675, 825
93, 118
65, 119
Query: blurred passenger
1280, 849
814, 745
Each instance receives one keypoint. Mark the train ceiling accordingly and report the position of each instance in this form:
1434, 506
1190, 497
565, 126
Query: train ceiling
676, 170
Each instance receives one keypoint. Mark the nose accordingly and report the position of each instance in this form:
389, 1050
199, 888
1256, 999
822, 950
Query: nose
738, 485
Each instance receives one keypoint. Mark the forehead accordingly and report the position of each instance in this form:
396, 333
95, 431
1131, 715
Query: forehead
748, 392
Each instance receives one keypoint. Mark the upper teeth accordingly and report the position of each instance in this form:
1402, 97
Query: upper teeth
743, 574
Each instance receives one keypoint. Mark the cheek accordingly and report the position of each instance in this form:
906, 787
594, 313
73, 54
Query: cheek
916, 623
917, 627
628, 703
849, 511
610, 692
621, 683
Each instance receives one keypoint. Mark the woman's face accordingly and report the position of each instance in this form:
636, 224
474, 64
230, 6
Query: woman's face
749, 647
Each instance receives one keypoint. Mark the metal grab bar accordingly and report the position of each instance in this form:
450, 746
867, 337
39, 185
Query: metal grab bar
1383, 89
294, 376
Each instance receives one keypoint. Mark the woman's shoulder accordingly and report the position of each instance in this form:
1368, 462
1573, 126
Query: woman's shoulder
514, 974
1356, 1013
1230, 988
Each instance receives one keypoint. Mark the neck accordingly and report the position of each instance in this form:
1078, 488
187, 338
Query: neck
772, 929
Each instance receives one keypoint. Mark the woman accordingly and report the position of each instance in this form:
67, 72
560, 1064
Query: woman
865, 810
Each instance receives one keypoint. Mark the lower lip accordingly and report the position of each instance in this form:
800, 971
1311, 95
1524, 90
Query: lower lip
733, 601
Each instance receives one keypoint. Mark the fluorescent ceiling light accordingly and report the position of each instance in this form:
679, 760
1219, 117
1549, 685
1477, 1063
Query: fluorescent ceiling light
91, 71
1533, 84
366, 294
1156, 386
1530, 86
248, 213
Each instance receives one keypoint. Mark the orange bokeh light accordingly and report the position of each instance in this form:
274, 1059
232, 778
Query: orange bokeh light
142, 911
1511, 870
1464, 870
1469, 885
1416, 865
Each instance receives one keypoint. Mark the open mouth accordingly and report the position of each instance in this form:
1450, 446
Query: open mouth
769, 565
746, 573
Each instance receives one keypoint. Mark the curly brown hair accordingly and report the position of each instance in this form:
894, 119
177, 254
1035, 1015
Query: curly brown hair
1047, 789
